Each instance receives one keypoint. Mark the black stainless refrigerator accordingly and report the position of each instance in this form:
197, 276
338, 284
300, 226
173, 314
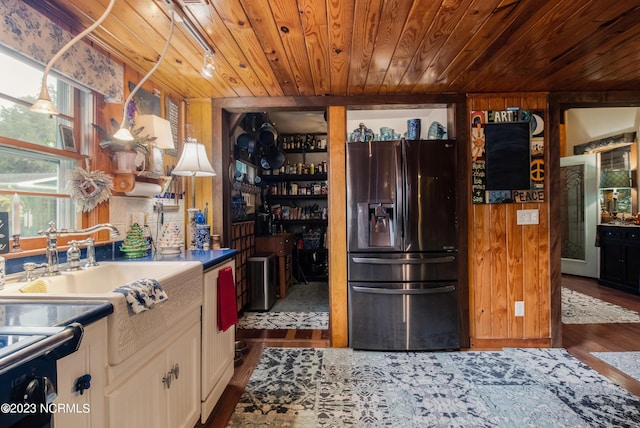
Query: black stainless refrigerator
402, 245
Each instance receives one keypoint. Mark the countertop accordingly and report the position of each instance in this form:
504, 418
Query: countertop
34, 321
29, 328
51, 313
208, 258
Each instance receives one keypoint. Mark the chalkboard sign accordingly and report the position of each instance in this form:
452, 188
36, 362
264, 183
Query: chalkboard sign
4, 232
507, 156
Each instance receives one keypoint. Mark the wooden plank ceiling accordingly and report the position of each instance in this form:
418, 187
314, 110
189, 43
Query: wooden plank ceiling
373, 47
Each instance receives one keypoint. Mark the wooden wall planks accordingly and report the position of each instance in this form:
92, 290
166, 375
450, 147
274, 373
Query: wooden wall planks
508, 262
337, 230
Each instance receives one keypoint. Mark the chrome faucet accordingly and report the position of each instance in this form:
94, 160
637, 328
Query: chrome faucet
52, 235
73, 254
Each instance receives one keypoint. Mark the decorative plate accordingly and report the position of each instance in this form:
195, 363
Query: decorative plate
170, 250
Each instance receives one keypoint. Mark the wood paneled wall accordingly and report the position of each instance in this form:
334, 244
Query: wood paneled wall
200, 116
509, 262
337, 230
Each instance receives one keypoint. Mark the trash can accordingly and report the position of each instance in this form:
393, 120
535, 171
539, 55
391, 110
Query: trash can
261, 273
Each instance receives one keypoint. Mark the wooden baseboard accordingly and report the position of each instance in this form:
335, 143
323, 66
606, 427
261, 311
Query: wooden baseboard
483, 344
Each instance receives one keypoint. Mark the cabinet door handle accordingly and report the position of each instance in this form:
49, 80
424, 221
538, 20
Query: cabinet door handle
167, 379
82, 383
176, 370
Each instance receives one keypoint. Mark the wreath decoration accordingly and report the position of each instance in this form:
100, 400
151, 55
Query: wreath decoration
88, 188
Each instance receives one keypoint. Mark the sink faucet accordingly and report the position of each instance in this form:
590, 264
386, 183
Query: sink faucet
73, 254
52, 235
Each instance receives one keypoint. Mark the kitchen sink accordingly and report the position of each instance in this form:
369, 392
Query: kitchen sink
127, 332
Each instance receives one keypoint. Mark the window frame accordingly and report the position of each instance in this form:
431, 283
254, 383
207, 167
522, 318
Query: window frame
82, 114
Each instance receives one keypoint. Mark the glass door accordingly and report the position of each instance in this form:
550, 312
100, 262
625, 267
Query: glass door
580, 211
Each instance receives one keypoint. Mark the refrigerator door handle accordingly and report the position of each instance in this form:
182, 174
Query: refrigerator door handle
381, 261
401, 211
375, 290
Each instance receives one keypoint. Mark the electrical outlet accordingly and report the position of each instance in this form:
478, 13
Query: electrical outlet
519, 308
527, 217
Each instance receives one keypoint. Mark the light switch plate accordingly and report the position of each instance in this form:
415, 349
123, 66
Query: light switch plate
519, 309
527, 217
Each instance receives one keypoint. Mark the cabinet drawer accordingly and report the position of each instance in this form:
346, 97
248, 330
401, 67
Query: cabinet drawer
633, 235
610, 234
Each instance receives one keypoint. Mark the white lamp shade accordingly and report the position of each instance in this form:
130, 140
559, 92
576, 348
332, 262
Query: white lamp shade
194, 161
158, 127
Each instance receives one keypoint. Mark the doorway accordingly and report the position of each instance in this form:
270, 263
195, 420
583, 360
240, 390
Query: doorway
290, 209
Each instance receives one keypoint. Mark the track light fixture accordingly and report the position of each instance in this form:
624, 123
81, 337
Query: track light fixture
207, 65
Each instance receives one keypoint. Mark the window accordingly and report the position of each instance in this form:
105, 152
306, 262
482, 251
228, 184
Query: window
33, 161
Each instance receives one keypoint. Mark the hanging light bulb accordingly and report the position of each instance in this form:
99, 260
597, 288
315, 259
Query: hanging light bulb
43, 104
207, 65
124, 134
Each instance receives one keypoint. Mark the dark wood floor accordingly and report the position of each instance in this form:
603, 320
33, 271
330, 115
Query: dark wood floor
578, 339
582, 339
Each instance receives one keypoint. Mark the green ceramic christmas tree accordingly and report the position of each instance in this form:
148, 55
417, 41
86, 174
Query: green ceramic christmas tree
135, 245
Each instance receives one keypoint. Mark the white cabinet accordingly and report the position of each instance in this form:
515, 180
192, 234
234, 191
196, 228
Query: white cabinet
162, 392
217, 347
172, 382
86, 409
183, 400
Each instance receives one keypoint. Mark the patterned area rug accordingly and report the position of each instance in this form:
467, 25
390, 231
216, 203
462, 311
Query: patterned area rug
284, 320
578, 308
627, 362
333, 387
306, 307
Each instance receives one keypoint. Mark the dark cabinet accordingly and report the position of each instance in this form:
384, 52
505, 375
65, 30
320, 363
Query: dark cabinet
620, 257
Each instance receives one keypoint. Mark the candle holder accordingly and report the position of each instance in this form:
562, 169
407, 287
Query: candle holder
15, 248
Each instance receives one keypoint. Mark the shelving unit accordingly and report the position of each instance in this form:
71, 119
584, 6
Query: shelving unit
305, 222
301, 212
294, 197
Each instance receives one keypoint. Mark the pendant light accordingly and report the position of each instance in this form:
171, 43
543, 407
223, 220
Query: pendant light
43, 104
124, 134
207, 65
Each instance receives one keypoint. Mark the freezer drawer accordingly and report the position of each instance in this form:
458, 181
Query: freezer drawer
397, 267
403, 317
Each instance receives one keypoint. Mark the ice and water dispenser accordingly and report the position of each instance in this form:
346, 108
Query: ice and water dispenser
376, 225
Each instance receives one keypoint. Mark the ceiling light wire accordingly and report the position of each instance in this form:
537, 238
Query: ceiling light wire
124, 133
